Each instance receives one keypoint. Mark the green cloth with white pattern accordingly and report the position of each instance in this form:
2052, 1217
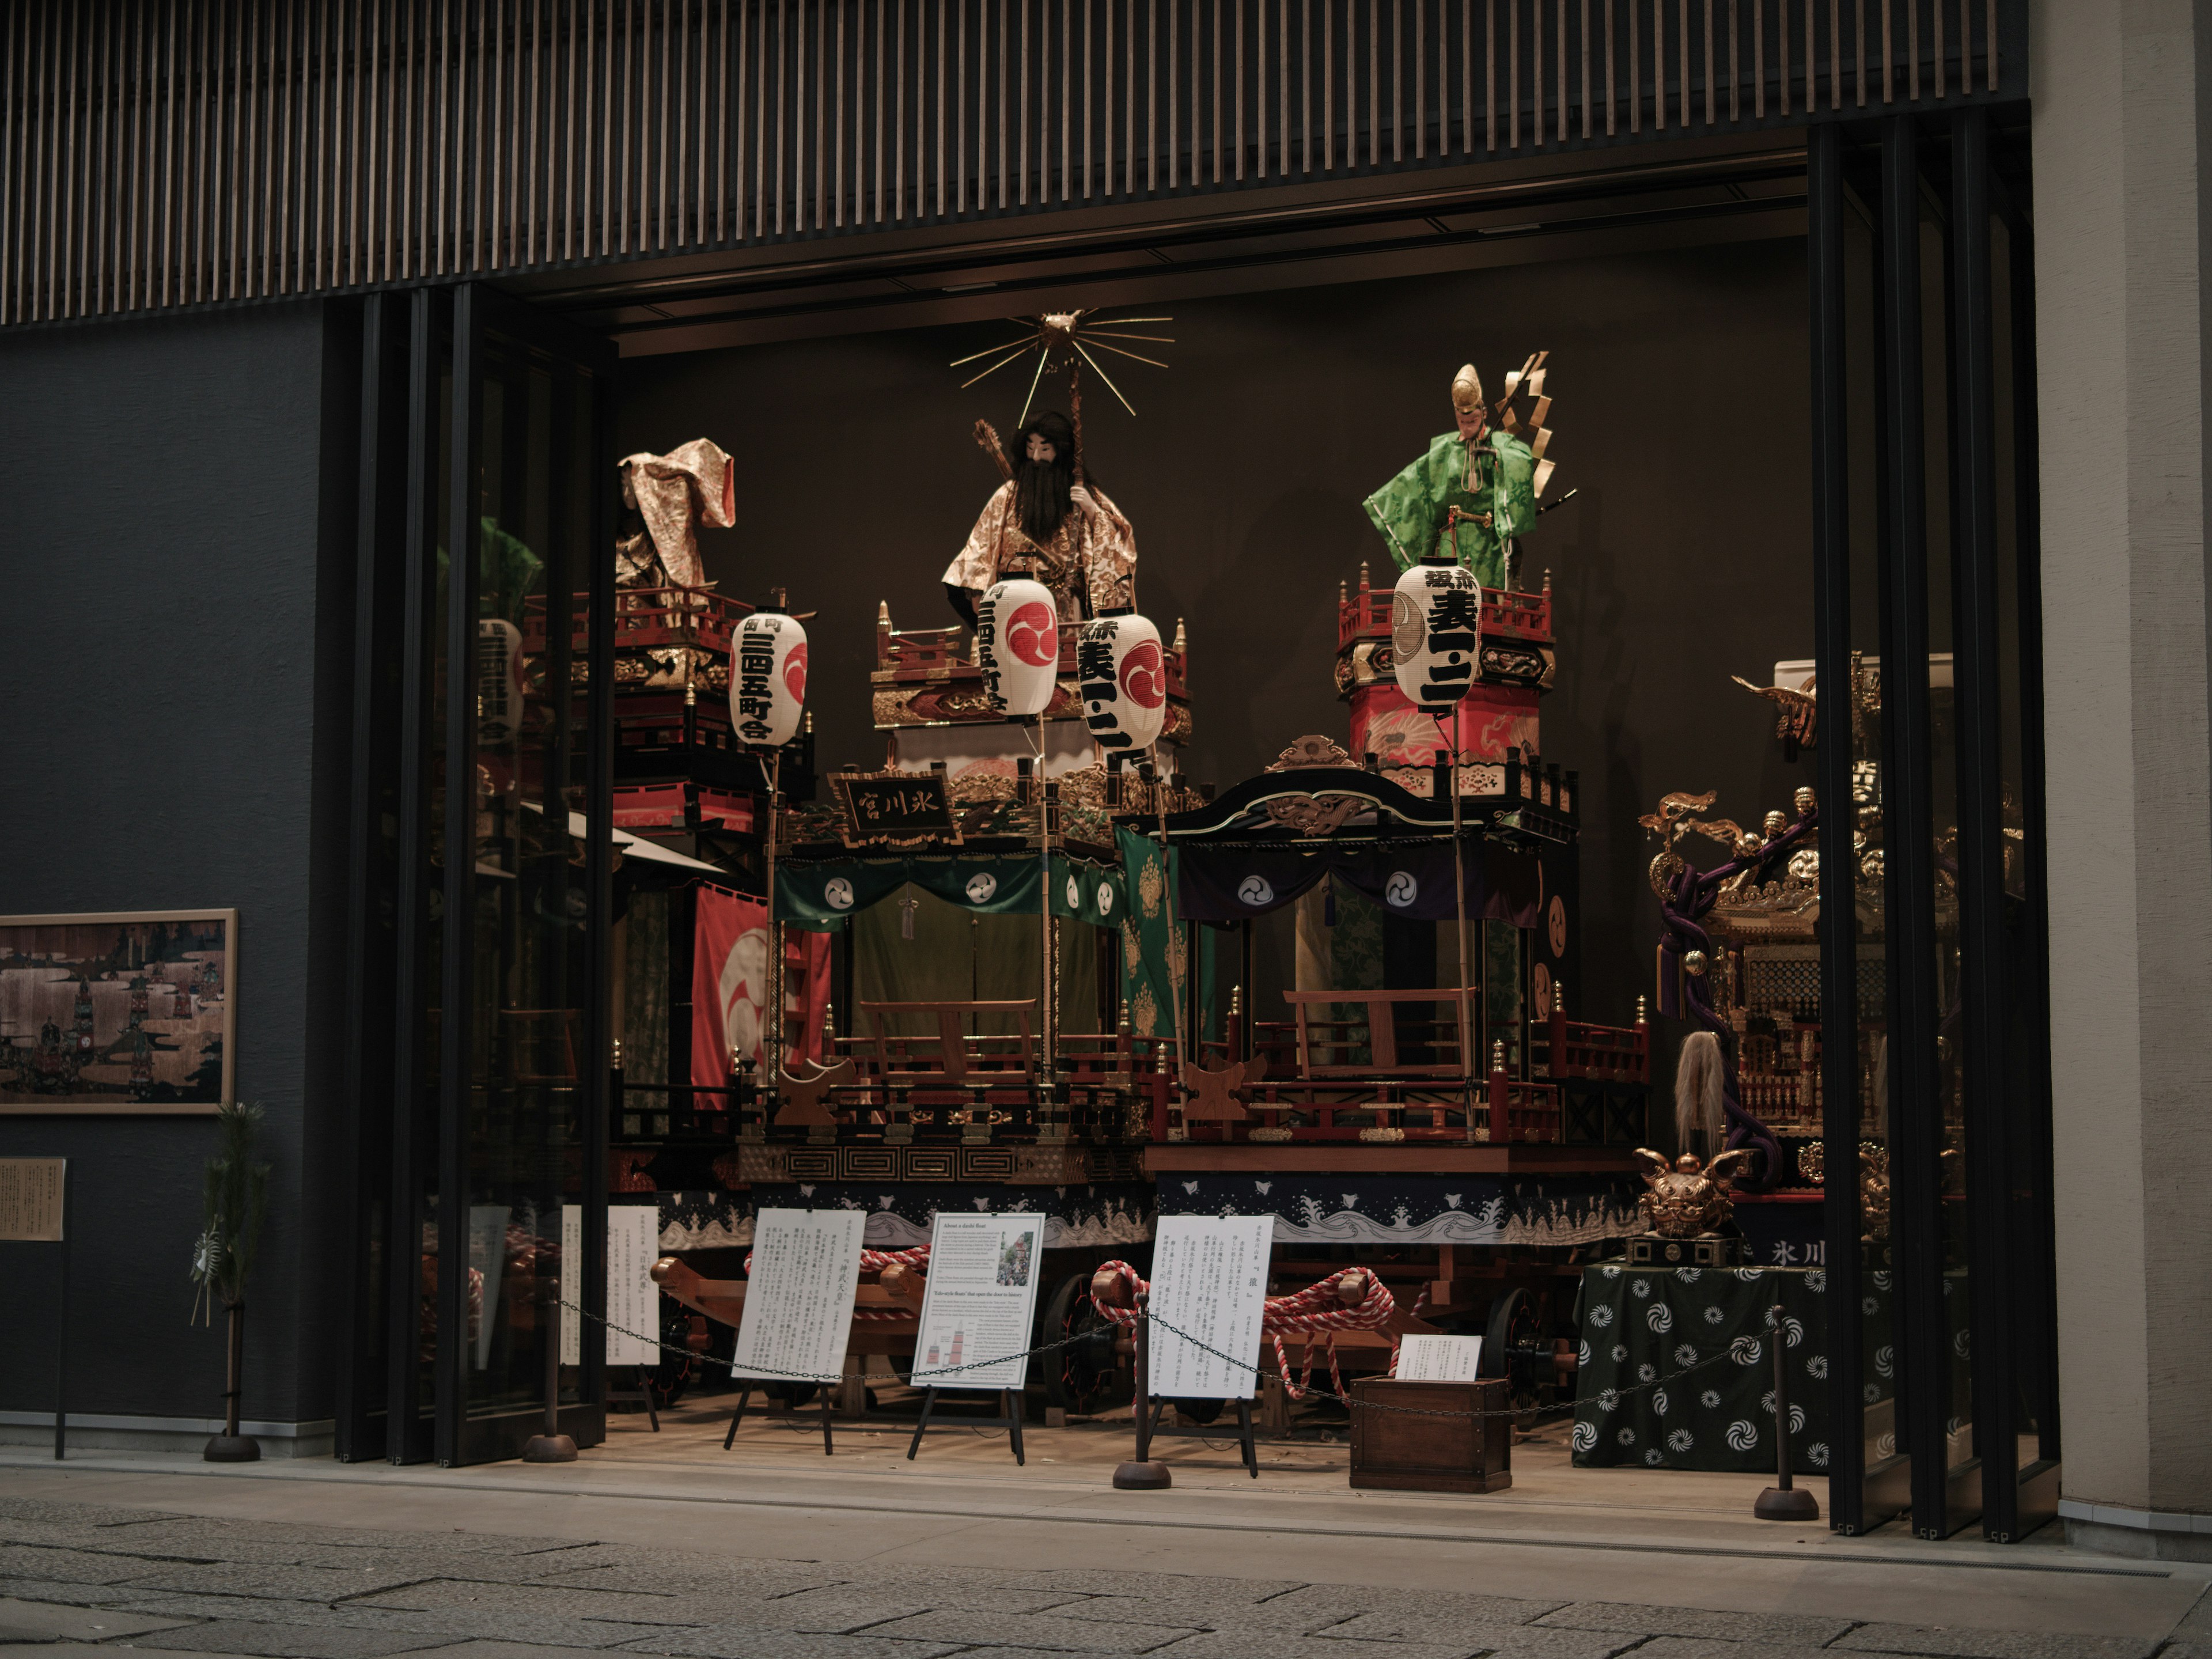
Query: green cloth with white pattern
1677, 1367
1412, 509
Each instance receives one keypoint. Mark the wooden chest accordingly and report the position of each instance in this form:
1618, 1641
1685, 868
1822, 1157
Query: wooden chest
1412, 1453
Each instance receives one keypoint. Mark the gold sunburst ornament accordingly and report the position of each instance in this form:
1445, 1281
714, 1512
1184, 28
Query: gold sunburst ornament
1065, 339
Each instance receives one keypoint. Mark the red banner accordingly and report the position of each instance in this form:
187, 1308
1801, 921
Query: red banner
729, 983
656, 808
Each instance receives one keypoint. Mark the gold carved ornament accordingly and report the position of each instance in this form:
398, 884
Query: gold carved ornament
1315, 815
1311, 750
1688, 1198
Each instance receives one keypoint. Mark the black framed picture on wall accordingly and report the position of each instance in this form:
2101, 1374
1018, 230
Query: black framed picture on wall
117, 1012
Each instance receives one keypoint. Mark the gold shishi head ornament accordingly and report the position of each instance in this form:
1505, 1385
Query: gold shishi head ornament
1689, 1199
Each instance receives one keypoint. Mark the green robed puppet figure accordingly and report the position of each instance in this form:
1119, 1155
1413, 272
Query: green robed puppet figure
1492, 474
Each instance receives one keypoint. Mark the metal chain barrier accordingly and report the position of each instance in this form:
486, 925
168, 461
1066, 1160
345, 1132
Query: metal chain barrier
1698, 1364
826, 1382
1422, 1411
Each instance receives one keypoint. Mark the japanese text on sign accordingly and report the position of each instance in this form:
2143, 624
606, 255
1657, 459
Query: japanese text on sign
1439, 1358
633, 1299
1210, 1282
798, 1294
31, 1199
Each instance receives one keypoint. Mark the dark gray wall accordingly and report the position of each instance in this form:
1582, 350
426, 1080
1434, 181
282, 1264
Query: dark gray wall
1680, 383
173, 570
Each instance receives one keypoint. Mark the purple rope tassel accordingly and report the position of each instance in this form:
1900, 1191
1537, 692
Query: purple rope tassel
1693, 898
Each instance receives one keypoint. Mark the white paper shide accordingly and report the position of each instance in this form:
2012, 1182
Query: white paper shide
1210, 1283
979, 1301
798, 1295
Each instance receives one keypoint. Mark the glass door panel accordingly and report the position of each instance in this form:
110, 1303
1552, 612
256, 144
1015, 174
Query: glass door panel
523, 1057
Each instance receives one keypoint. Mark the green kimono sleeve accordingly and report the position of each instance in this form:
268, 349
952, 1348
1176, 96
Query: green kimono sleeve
1409, 510
1515, 496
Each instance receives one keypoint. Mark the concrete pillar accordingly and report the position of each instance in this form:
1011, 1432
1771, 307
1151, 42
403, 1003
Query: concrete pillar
2120, 220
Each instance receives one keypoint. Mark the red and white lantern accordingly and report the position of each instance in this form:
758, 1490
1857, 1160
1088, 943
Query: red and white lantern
1435, 634
767, 679
1018, 646
1121, 675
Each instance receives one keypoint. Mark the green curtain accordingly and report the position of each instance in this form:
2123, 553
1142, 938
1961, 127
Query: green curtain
958, 953
819, 894
644, 990
1151, 950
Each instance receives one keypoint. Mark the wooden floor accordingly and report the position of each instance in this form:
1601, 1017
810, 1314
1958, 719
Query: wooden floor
1548, 1494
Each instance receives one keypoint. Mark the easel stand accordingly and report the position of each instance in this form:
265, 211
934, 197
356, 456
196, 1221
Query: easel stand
643, 1394
745, 1398
1010, 1420
61, 1331
34, 1205
1246, 1443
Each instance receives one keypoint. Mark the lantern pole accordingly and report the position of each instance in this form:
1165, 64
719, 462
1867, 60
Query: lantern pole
1467, 1045
1047, 1021
1459, 908
772, 1029
1167, 885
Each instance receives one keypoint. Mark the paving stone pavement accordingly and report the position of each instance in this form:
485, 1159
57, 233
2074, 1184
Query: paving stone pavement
74, 1575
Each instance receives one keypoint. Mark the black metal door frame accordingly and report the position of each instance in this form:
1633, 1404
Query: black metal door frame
2000, 1035
424, 359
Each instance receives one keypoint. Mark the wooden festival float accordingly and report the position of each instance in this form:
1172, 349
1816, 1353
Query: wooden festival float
929, 1101
1461, 1140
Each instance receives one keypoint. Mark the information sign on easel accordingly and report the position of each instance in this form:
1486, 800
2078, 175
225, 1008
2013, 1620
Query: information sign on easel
1439, 1358
798, 1303
979, 1302
1210, 1283
633, 1299
34, 1210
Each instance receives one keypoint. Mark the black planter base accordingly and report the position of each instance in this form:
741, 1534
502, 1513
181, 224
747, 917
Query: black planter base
231, 1448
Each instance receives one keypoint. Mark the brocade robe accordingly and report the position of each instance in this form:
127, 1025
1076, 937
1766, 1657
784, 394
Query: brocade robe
1093, 555
674, 494
1491, 482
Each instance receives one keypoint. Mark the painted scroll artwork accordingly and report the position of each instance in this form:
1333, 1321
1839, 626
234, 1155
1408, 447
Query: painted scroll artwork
116, 1013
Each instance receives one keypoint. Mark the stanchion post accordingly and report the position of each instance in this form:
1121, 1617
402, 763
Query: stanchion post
1143, 1474
552, 1446
61, 1336
1784, 1501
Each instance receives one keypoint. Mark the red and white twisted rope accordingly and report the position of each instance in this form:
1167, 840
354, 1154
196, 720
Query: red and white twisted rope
875, 1261
1317, 1310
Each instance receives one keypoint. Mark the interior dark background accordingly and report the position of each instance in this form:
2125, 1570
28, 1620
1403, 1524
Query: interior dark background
1680, 415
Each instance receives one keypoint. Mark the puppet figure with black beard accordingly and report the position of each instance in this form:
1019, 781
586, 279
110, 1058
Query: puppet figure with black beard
1042, 524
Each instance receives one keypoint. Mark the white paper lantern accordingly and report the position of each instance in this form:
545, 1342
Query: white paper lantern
1018, 646
1121, 675
767, 679
1436, 633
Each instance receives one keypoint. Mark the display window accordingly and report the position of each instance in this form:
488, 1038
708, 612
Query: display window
1510, 772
